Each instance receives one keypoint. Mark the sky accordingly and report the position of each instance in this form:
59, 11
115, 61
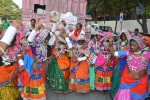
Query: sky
18, 2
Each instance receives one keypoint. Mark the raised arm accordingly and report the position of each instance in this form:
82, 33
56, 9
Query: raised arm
116, 53
67, 40
9, 36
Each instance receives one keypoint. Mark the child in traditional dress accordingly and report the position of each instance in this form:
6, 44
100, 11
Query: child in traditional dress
32, 78
104, 65
79, 68
94, 46
58, 70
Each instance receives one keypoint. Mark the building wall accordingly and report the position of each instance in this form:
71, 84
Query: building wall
77, 7
127, 24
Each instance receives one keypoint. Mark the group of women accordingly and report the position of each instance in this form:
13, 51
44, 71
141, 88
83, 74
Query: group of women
105, 63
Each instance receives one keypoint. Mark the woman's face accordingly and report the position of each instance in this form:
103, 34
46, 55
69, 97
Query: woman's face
98, 37
123, 37
134, 46
80, 42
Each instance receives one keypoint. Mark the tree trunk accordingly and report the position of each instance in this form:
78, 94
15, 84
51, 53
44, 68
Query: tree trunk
144, 24
104, 19
116, 25
95, 20
95, 16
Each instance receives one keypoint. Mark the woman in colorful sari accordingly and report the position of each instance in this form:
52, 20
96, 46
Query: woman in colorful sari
9, 69
134, 80
32, 78
123, 44
94, 46
58, 70
104, 65
79, 68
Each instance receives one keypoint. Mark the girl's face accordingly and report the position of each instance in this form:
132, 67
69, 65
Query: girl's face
123, 37
80, 42
98, 37
134, 46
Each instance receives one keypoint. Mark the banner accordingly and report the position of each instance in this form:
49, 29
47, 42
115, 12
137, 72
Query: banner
71, 20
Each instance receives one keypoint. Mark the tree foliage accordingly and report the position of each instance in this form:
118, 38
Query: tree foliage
147, 8
94, 7
114, 7
8, 9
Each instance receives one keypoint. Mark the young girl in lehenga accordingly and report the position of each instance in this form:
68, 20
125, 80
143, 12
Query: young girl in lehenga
94, 46
79, 68
104, 65
32, 78
58, 70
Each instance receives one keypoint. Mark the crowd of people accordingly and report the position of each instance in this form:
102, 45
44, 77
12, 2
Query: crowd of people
67, 61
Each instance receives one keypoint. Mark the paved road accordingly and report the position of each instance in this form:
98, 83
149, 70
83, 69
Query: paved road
93, 95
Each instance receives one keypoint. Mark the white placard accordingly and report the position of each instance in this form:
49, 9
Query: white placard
71, 20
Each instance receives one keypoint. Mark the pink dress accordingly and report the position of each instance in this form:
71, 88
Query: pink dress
103, 80
130, 88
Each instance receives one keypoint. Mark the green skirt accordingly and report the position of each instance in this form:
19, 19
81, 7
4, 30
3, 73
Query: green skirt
92, 77
115, 82
55, 77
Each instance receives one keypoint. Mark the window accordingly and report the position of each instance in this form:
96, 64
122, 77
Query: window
39, 9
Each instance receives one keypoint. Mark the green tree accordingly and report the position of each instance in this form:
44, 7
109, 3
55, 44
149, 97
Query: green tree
8, 9
94, 7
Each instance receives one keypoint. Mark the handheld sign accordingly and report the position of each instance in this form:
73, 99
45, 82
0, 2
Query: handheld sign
69, 18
